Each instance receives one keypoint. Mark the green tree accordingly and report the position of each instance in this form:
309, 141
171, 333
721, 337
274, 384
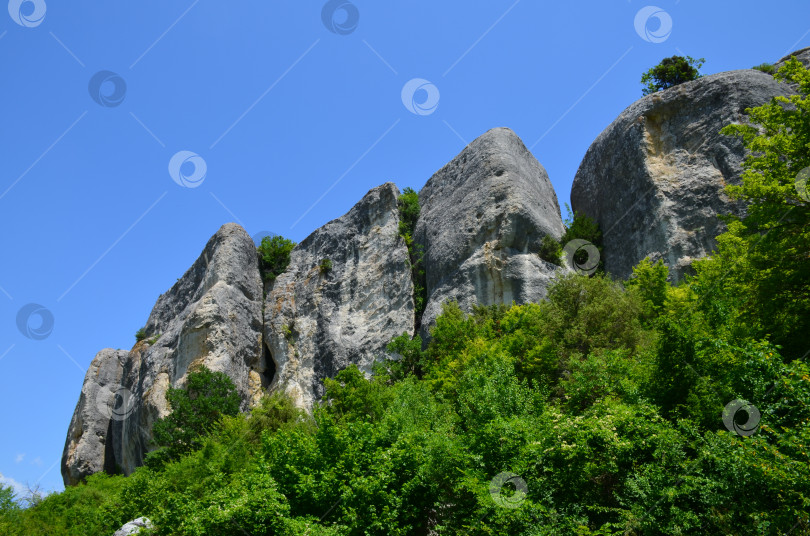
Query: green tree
196, 409
274, 253
763, 266
650, 282
551, 250
671, 72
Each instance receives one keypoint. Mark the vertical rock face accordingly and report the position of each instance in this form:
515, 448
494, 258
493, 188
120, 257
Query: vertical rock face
212, 316
483, 218
318, 321
654, 179
89, 439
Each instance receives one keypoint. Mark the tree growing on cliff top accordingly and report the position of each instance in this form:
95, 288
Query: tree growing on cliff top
671, 72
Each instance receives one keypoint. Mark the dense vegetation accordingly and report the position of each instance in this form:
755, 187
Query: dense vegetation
671, 72
599, 411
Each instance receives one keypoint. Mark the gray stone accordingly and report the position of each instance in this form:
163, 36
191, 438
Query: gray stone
654, 179
134, 527
483, 218
88, 442
318, 322
803, 55
212, 316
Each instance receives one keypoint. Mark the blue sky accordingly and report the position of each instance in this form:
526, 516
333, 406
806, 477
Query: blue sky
292, 112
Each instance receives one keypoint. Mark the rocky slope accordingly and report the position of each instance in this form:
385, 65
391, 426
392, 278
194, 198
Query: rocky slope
211, 316
654, 178
318, 321
483, 217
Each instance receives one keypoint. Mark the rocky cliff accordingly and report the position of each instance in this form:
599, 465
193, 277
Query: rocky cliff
483, 217
346, 293
654, 179
211, 316
318, 321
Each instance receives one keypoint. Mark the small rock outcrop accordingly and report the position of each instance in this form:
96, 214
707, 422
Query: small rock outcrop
134, 527
319, 320
654, 179
803, 55
212, 316
483, 217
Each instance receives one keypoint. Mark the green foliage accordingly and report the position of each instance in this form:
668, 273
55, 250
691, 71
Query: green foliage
411, 358
762, 263
650, 282
409, 209
140, 334
767, 68
671, 72
196, 409
274, 255
325, 266
580, 226
551, 250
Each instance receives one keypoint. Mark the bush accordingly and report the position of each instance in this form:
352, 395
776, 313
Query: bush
551, 250
671, 72
196, 409
766, 68
325, 266
274, 253
140, 334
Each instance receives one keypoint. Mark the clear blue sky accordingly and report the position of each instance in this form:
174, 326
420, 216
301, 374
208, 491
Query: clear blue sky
294, 123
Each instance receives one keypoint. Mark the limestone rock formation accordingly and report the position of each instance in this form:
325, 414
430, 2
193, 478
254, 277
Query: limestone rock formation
211, 316
318, 320
483, 218
89, 439
654, 178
